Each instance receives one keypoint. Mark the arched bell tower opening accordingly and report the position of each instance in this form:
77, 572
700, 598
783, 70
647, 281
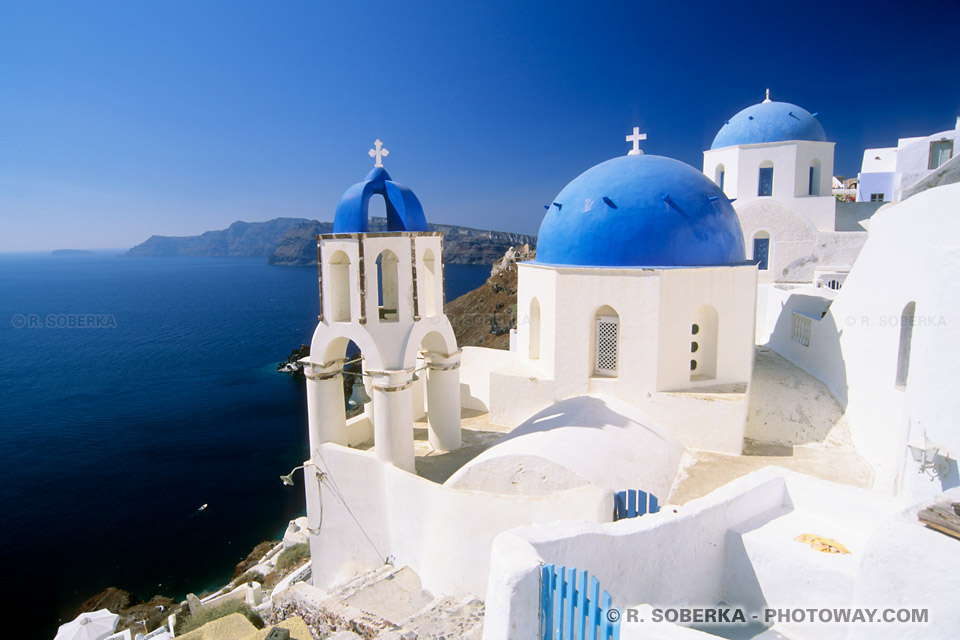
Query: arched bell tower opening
388, 286
429, 284
339, 301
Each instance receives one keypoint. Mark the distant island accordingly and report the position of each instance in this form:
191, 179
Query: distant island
291, 242
70, 252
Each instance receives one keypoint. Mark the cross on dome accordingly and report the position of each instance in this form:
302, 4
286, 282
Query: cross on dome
767, 99
635, 139
379, 153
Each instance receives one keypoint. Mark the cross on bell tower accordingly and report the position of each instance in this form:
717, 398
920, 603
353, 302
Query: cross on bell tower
635, 139
378, 152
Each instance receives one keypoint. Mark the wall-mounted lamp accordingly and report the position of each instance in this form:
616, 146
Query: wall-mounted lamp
931, 462
288, 479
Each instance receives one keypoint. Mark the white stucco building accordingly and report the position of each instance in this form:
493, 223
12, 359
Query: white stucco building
891, 174
773, 159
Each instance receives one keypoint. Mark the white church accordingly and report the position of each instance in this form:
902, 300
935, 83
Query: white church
706, 341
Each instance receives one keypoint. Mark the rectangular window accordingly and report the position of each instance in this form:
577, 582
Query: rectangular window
801, 329
811, 189
761, 252
765, 188
722, 174
608, 333
940, 152
876, 197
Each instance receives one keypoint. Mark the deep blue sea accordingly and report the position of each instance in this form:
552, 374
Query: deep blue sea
133, 391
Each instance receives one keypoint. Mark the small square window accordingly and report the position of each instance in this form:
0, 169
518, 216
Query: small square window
876, 197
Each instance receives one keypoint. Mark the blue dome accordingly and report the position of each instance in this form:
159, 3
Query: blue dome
641, 211
769, 122
404, 212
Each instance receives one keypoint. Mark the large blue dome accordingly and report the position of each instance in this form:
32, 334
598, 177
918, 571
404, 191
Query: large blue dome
641, 211
769, 122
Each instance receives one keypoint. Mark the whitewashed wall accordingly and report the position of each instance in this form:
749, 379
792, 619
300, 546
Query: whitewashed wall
656, 308
791, 165
913, 159
476, 365
912, 254
443, 534
734, 545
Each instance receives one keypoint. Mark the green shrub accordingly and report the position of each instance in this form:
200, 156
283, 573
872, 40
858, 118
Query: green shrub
293, 557
188, 623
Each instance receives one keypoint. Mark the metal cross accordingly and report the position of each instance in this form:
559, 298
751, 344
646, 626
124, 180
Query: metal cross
635, 139
379, 153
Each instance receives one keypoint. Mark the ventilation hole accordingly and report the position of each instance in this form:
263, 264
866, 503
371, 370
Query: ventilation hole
693, 347
693, 365
751, 117
695, 329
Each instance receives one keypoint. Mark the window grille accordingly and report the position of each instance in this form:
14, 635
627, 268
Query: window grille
608, 330
801, 329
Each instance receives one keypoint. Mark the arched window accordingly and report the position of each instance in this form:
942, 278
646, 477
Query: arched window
761, 250
534, 329
906, 337
703, 344
388, 294
606, 342
814, 186
428, 288
765, 179
719, 174
338, 301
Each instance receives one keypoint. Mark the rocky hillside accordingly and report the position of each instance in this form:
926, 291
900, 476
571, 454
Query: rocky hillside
292, 242
240, 239
461, 245
484, 317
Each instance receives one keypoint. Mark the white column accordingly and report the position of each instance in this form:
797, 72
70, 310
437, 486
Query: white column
443, 401
393, 419
326, 415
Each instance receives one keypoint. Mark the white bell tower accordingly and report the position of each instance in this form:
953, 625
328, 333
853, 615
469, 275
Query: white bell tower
383, 291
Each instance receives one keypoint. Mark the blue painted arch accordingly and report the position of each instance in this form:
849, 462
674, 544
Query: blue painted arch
404, 212
641, 211
769, 122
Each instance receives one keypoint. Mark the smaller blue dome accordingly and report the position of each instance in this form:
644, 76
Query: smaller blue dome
641, 211
769, 122
404, 212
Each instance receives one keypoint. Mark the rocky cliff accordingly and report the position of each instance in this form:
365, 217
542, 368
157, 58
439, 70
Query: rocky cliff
291, 242
240, 239
485, 316
461, 245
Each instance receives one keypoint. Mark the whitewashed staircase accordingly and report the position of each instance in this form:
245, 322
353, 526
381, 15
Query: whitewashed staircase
387, 603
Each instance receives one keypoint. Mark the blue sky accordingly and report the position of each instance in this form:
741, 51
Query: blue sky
119, 120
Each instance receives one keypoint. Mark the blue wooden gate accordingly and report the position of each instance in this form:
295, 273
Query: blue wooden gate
570, 610
633, 503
